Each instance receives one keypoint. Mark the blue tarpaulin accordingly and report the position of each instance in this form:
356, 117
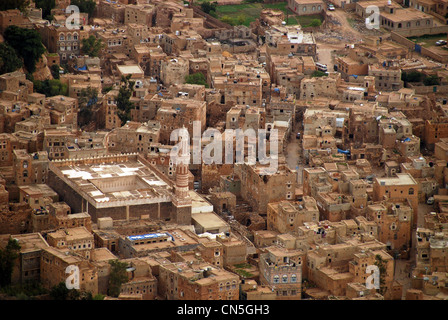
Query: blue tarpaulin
344, 151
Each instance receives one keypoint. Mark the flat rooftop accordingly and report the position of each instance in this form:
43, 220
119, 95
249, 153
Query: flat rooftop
30, 242
112, 184
209, 220
400, 179
406, 14
130, 69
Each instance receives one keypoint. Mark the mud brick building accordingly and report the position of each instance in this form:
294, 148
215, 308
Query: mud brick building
27, 266
282, 269
287, 216
15, 84
63, 41
141, 281
107, 116
296, 41
120, 186
394, 225
140, 14
197, 281
134, 137
259, 190
403, 187
63, 110
180, 112
79, 240
54, 262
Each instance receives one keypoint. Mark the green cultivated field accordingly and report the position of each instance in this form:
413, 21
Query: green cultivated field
245, 13
428, 40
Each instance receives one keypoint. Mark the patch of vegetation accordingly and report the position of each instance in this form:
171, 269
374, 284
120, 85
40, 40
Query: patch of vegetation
9, 61
27, 44
26, 291
118, 276
88, 97
314, 20
351, 22
50, 88
244, 273
124, 103
46, 6
248, 11
14, 4
243, 265
415, 76
432, 80
55, 71
8, 256
92, 46
61, 292
318, 73
106, 89
196, 78
428, 40
86, 6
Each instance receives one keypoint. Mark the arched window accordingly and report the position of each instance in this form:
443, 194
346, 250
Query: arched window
69, 36
276, 279
61, 37
411, 190
284, 278
293, 278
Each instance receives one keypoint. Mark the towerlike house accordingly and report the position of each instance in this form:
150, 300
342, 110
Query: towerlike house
182, 200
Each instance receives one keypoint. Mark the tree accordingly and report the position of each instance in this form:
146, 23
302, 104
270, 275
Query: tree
118, 276
86, 6
413, 76
431, 80
88, 97
99, 296
196, 78
9, 61
50, 88
208, 7
14, 4
46, 6
315, 23
55, 71
241, 19
59, 291
228, 20
8, 256
318, 73
124, 103
92, 46
27, 43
